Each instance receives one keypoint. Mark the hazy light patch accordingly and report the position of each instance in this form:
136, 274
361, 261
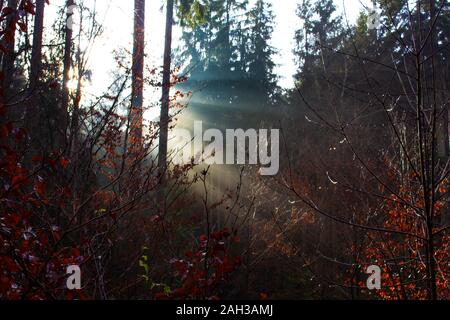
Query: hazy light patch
152, 113
116, 16
117, 19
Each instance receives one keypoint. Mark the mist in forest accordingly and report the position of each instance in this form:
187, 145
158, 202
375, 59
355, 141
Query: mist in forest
348, 102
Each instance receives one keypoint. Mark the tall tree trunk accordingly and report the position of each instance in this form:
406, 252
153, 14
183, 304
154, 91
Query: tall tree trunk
165, 101
74, 138
36, 53
228, 49
31, 113
9, 57
67, 64
136, 112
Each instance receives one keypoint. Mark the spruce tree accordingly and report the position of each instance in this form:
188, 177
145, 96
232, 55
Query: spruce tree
260, 58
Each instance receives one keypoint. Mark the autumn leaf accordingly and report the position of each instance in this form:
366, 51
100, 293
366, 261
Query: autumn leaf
39, 187
23, 27
64, 162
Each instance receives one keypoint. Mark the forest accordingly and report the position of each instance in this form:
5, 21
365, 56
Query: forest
100, 201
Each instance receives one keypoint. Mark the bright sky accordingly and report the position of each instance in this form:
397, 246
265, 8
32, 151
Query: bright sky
117, 17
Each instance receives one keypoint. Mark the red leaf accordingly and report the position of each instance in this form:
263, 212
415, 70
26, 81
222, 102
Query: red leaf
52, 163
22, 26
263, 296
64, 162
8, 10
20, 134
39, 187
29, 7
4, 132
3, 49
37, 159
16, 180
